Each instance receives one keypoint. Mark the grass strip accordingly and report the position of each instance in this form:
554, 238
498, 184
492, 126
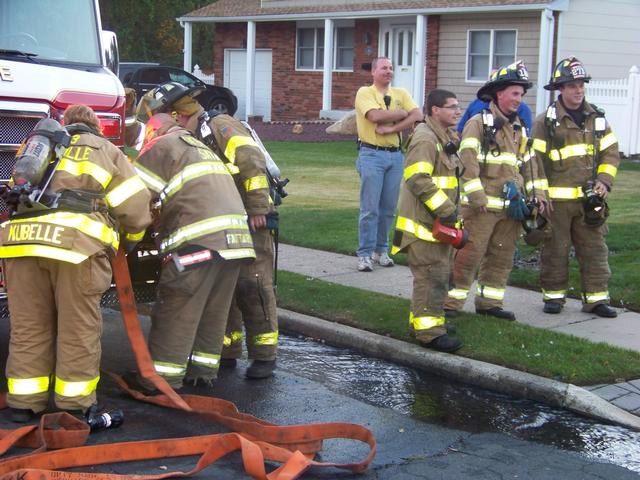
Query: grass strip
510, 344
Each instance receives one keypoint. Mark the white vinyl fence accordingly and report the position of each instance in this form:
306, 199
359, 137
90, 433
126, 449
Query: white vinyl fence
620, 99
208, 79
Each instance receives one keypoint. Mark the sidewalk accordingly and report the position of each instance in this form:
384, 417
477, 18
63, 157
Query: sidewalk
623, 331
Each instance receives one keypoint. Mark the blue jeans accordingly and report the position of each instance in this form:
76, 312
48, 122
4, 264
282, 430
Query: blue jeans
380, 176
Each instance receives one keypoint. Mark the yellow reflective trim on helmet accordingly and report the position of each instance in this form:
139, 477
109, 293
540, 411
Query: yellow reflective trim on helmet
256, 183
416, 168
125, 191
608, 140
76, 389
565, 193
27, 386
470, 142
269, 338
425, 322
458, 293
436, 200
445, 182
539, 145
45, 251
236, 142
490, 292
417, 230
96, 172
471, 186
608, 169
151, 180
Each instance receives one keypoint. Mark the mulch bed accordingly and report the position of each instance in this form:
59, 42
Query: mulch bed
311, 132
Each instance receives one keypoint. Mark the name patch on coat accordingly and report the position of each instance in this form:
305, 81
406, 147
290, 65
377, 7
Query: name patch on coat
20, 233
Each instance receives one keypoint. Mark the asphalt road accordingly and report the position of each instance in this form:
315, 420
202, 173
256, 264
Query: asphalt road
407, 448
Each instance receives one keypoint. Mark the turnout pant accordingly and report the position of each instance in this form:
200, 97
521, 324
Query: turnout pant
189, 319
430, 265
489, 253
56, 327
254, 305
568, 227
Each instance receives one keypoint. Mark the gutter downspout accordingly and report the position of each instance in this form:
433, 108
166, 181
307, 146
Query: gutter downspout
187, 50
545, 58
420, 60
327, 80
251, 70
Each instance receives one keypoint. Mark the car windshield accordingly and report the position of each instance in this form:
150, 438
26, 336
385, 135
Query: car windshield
184, 78
51, 30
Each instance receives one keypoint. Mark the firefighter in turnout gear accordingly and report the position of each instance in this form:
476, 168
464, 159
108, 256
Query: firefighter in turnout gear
498, 179
430, 192
203, 238
56, 249
254, 300
580, 155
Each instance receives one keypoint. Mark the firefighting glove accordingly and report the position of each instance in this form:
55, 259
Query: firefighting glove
450, 220
517, 208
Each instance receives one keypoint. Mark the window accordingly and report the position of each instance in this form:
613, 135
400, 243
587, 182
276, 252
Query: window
489, 49
310, 49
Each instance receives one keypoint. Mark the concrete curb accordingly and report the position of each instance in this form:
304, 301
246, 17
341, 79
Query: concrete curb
481, 374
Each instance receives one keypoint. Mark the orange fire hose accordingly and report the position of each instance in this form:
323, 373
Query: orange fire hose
59, 437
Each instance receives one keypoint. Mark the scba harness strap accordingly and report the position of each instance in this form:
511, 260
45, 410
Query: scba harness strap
257, 440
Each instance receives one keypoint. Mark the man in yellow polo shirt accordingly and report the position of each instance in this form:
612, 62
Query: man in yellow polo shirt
382, 112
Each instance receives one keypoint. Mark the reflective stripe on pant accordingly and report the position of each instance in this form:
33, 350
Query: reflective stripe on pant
255, 305
430, 266
568, 228
189, 319
52, 345
489, 252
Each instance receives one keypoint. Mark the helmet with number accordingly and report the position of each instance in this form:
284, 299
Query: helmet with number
568, 70
501, 78
162, 98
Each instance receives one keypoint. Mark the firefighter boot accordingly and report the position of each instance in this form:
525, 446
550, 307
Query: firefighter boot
443, 343
261, 369
498, 313
552, 307
604, 310
22, 415
228, 363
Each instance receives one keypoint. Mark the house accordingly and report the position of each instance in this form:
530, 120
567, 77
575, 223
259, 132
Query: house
305, 59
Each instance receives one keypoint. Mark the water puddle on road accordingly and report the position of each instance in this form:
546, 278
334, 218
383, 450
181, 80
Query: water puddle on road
435, 400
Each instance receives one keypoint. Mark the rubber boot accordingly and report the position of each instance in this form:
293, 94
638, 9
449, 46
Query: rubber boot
261, 369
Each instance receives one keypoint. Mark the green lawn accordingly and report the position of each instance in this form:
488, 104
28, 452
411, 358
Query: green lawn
322, 212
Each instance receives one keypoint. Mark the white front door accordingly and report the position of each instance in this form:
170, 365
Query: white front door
235, 78
403, 48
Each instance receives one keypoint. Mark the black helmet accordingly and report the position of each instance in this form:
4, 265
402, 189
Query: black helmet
514, 74
161, 98
567, 70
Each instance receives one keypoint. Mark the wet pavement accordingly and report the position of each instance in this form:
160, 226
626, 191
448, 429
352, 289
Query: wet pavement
425, 427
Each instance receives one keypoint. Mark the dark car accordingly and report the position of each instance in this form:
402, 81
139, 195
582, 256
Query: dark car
142, 77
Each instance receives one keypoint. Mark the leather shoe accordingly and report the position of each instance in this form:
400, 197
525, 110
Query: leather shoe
604, 310
552, 307
444, 343
228, 363
22, 415
450, 313
261, 369
498, 313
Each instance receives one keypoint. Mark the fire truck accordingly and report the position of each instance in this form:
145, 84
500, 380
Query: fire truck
54, 53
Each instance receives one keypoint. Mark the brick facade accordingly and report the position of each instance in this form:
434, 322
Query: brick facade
297, 95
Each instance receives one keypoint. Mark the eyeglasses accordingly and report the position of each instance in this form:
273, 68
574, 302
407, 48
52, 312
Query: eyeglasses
453, 107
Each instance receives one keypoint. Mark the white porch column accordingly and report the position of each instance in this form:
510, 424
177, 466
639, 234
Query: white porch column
328, 64
251, 69
187, 50
545, 56
420, 60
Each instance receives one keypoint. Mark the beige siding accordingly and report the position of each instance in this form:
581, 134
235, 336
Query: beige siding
453, 49
604, 35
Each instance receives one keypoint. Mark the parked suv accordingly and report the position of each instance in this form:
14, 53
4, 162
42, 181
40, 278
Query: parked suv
142, 77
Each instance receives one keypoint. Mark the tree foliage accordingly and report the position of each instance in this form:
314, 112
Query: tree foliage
147, 30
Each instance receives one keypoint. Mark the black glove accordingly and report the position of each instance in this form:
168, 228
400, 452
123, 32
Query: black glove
450, 220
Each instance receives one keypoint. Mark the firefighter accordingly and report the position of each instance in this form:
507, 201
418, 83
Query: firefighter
254, 300
56, 250
134, 130
496, 159
429, 192
580, 157
203, 238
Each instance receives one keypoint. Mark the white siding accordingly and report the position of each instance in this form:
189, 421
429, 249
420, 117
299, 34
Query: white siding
453, 49
605, 35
